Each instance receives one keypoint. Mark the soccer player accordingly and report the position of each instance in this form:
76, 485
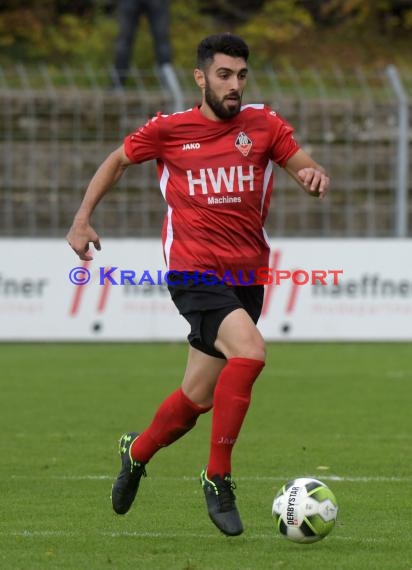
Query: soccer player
215, 167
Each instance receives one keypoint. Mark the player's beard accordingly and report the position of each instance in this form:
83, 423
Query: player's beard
218, 105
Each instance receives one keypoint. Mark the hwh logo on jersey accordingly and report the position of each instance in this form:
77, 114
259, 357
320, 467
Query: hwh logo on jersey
235, 178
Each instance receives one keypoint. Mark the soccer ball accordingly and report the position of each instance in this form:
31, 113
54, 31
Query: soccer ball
305, 510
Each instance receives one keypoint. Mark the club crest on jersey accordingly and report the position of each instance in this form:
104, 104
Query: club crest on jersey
243, 143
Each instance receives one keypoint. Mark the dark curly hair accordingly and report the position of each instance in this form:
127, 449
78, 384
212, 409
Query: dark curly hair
227, 44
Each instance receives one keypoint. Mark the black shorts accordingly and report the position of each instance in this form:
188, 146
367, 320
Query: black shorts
205, 306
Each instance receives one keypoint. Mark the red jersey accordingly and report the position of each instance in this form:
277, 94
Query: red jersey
216, 178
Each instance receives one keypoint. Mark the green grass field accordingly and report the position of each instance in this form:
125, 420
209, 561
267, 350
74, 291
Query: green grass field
340, 412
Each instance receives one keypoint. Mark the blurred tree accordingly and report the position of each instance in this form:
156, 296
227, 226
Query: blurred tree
50, 7
78, 7
31, 30
229, 13
395, 15
83, 31
387, 14
278, 22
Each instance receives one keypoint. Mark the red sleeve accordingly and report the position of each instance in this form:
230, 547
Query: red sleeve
283, 143
144, 144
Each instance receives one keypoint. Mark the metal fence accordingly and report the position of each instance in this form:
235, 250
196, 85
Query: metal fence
57, 125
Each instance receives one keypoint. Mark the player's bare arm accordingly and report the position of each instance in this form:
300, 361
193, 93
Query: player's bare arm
81, 234
308, 174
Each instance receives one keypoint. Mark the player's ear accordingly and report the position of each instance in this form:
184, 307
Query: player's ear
200, 78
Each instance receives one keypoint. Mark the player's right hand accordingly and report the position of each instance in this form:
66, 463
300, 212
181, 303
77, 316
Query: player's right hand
79, 238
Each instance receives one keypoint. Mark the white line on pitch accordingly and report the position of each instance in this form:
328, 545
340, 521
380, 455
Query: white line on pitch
322, 476
167, 535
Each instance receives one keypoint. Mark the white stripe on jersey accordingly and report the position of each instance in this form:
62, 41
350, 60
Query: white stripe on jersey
169, 236
266, 180
265, 237
252, 106
169, 228
163, 181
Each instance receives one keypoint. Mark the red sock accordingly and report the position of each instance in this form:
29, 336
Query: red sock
175, 417
230, 404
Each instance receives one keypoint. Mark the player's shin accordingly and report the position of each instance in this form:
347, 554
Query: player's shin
174, 418
231, 402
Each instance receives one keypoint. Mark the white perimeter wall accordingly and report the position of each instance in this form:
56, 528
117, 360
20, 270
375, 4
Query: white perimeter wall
373, 300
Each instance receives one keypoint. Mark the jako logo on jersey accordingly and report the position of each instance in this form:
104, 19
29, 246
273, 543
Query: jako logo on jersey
191, 146
233, 179
243, 143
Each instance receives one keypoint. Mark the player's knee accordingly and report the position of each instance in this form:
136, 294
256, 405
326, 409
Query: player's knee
239, 337
252, 345
247, 347
255, 351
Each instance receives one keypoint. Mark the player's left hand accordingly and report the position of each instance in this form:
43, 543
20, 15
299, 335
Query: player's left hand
314, 181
